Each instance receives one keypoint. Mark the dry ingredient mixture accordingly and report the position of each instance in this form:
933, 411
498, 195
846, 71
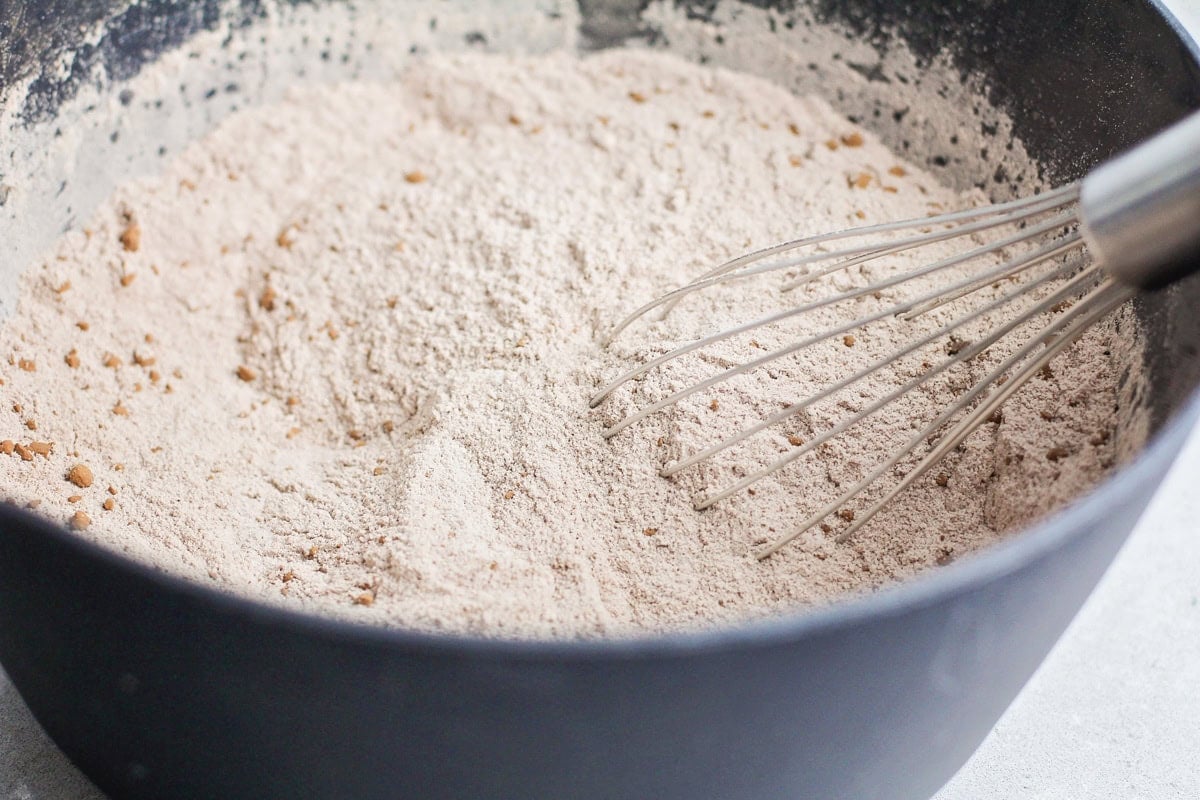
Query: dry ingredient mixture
338, 356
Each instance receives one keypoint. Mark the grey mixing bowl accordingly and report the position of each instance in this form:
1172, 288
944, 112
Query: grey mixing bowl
160, 688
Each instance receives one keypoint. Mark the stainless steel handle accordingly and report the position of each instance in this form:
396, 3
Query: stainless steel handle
1141, 210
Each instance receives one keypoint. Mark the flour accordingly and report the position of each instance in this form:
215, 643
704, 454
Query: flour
338, 357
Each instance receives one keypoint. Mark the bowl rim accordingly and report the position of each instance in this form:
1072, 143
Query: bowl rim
926, 589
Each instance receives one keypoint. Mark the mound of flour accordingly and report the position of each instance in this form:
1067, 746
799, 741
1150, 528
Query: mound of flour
339, 357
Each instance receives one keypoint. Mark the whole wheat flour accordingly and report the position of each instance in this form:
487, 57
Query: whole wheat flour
339, 357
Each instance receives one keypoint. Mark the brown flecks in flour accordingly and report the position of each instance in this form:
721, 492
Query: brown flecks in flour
404, 428
131, 233
79, 521
955, 345
1057, 453
80, 475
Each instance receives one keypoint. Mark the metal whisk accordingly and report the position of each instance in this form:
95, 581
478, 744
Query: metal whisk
1131, 224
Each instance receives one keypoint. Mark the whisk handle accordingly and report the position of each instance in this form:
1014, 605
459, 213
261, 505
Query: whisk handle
1141, 210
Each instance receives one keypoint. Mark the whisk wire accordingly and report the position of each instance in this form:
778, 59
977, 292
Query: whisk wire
1058, 335
779, 316
1050, 200
1005, 213
1070, 288
912, 347
1010, 268
1102, 300
915, 242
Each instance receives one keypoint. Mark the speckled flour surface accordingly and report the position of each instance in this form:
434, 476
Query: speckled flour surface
339, 357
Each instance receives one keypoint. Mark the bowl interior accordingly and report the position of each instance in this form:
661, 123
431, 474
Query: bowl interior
102, 92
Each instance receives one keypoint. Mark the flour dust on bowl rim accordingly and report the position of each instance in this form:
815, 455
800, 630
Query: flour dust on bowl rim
156, 687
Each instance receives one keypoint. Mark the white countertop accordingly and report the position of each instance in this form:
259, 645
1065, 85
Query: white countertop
1114, 712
